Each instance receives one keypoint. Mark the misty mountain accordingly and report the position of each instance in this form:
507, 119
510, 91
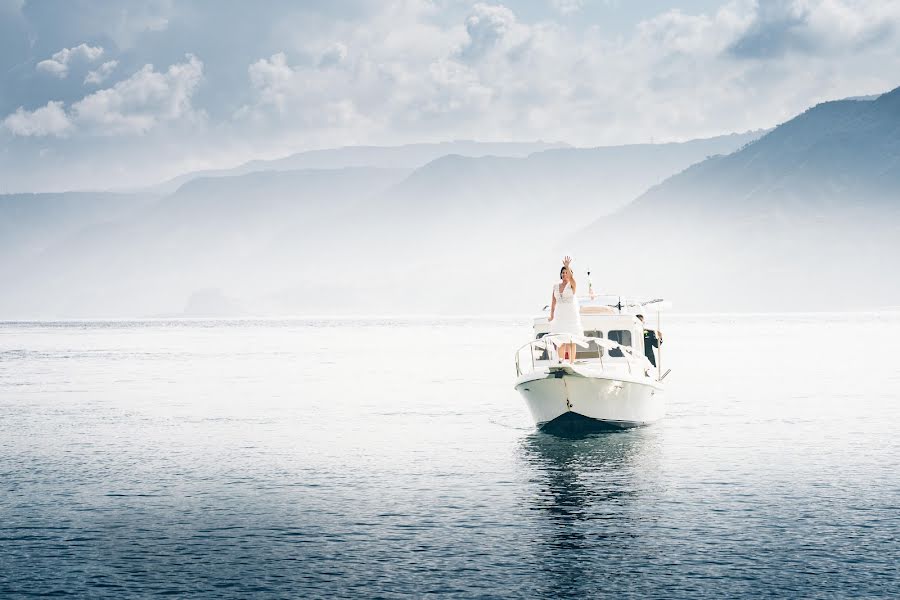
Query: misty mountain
546, 188
327, 240
808, 216
256, 233
31, 223
462, 219
409, 156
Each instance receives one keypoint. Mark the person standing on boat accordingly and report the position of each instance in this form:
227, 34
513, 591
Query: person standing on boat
565, 314
652, 339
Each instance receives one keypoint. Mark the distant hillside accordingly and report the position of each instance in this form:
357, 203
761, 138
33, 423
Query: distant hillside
806, 217
253, 234
31, 223
569, 183
409, 156
459, 220
343, 240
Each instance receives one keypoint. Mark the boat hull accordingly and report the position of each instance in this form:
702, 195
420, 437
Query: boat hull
557, 398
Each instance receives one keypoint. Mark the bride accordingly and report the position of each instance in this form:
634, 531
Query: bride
565, 315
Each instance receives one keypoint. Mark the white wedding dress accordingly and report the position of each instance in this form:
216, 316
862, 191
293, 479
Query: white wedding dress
567, 317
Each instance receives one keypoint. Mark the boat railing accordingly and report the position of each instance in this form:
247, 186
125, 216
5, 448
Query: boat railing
544, 352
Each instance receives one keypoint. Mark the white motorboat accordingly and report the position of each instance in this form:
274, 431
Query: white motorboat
611, 384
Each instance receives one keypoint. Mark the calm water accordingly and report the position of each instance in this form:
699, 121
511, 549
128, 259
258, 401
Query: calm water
393, 458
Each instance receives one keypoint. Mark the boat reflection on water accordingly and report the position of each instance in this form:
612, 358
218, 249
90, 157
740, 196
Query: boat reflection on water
593, 495
586, 477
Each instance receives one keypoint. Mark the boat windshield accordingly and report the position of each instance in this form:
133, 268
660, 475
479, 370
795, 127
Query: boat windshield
592, 349
622, 337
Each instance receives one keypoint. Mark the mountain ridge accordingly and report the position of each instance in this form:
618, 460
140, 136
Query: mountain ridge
400, 156
810, 209
670, 219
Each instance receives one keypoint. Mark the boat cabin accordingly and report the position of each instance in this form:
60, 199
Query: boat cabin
622, 328
613, 338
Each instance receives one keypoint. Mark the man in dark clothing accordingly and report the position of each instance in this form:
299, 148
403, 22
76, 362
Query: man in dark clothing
652, 339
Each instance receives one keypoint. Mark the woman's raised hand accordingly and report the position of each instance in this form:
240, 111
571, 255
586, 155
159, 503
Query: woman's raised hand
566, 261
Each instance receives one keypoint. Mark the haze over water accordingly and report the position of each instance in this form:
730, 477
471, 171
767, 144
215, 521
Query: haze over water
392, 457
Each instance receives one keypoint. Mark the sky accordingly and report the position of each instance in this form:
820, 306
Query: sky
101, 94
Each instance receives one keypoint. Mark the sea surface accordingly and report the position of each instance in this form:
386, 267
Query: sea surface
392, 458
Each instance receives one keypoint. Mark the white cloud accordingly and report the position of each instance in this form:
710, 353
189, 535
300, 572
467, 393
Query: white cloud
139, 103
487, 25
333, 56
699, 35
315, 97
494, 76
274, 81
132, 106
53, 67
47, 120
58, 64
100, 74
816, 27
421, 70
